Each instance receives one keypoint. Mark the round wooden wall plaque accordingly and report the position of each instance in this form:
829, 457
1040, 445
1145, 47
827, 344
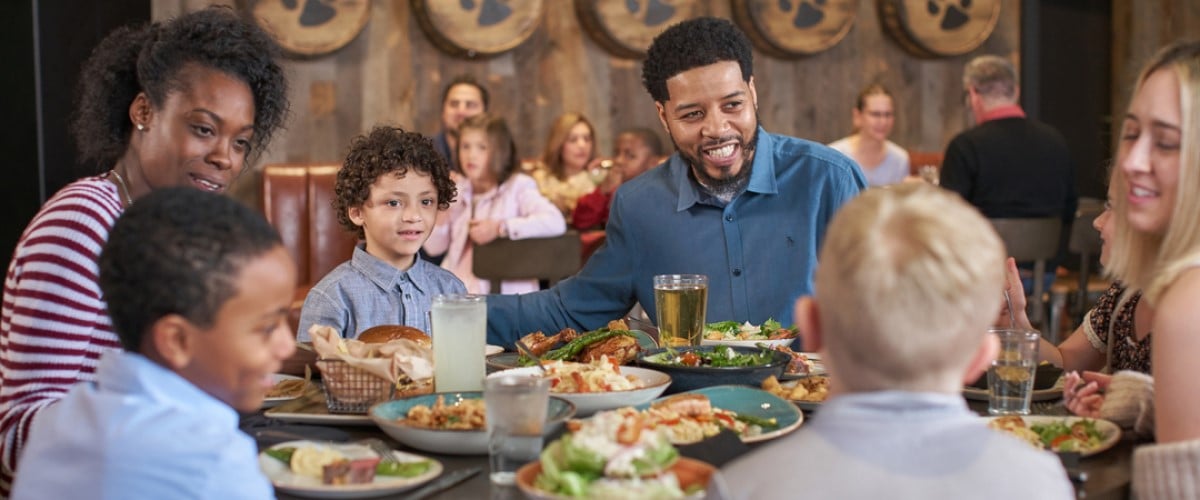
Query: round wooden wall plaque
311, 27
932, 28
477, 28
626, 27
792, 28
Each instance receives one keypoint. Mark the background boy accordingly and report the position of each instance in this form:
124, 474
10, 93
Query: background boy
389, 192
905, 292
198, 288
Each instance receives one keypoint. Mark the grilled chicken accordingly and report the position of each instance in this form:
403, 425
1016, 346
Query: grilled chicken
621, 348
540, 344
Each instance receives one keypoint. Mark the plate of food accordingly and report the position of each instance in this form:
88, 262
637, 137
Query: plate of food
616, 341
770, 333
808, 393
286, 388
613, 455
598, 385
451, 423
343, 470
1088, 436
696, 367
803, 364
754, 415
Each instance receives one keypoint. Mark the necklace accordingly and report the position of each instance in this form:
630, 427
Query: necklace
121, 183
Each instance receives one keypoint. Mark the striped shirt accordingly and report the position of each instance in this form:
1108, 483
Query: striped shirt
53, 323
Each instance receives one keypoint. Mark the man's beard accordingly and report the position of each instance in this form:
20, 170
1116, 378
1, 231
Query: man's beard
723, 187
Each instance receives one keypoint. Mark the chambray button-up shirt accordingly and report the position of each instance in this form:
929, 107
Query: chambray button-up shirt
759, 250
364, 292
139, 431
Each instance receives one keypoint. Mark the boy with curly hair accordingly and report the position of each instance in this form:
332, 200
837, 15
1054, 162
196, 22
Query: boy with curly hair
388, 192
904, 296
198, 288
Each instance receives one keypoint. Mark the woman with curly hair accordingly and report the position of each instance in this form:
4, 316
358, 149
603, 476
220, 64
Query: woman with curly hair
563, 175
186, 102
388, 193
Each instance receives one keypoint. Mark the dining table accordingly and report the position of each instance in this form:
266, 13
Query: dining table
1105, 475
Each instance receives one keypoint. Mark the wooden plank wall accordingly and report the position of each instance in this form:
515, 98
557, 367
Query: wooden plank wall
392, 73
1139, 30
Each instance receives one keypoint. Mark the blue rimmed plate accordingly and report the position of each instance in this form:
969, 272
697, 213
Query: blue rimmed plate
754, 402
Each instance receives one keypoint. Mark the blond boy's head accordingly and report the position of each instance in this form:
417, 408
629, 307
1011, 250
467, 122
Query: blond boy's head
906, 288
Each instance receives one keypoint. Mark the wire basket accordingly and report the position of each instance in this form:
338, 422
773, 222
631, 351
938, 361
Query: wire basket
349, 389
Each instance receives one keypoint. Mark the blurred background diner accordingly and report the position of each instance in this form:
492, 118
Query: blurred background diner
882, 161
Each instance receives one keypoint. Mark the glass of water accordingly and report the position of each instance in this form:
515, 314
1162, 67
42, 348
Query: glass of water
516, 414
1010, 378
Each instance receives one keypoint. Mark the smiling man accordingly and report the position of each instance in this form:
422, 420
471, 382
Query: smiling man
743, 206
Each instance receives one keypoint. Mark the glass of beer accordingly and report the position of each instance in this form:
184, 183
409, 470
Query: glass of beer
681, 300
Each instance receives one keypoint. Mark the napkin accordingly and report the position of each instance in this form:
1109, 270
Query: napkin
388, 361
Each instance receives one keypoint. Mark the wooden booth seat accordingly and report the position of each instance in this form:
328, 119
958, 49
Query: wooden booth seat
298, 201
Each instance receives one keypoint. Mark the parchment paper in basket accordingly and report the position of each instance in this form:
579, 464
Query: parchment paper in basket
387, 360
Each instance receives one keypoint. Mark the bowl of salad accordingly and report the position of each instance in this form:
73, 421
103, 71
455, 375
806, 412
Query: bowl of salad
614, 454
746, 334
696, 367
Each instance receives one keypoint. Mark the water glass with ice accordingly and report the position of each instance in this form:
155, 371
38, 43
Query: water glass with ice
1010, 378
516, 415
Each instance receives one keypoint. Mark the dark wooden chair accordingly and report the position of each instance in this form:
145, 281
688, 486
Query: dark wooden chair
543, 259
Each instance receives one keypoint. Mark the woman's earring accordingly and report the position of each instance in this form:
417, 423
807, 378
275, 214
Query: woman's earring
141, 127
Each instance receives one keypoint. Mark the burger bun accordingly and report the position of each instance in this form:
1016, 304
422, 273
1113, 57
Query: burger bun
386, 333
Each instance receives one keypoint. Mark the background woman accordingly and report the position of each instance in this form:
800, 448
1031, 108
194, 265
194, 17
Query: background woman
1116, 332
184, 103
881, 160
494, 201
563, 174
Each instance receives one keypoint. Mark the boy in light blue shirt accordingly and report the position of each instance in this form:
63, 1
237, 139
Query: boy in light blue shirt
198, 288
389, 192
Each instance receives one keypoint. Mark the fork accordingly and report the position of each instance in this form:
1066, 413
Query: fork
381, 448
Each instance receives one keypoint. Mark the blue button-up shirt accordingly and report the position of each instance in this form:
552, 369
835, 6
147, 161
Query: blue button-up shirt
759, 251
139, 431
365, 291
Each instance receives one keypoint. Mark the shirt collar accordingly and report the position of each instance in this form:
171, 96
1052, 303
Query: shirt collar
762, 174
1001, 112
384, 275
131, 373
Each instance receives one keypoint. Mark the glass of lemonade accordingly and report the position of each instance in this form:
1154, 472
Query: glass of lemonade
459, 341
681, 300
1010, 378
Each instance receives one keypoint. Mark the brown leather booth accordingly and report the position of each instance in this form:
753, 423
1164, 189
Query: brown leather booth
298, 201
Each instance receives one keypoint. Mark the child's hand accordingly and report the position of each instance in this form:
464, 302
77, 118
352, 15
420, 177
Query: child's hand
1016, 293
484, 231
1084, 395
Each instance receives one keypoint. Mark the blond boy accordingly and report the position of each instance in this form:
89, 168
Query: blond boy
905, 292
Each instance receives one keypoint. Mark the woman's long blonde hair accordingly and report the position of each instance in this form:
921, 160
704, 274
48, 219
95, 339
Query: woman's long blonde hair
1148, 261
552, 156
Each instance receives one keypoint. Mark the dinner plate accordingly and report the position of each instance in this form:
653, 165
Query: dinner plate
818, 368
276, 401
977, 394
492, 349
506, 360
1110, 430
750, 401
288, 482
311, 409
587, 403
749, 343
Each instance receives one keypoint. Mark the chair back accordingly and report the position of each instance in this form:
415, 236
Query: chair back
918, 159
1032, 239
1085, 241
550, 259
298, 201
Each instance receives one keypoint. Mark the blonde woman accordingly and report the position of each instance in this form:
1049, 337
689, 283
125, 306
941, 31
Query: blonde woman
1157, 249
563, 175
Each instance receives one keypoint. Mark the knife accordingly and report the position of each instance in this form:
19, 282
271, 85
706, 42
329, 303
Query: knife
445, 482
